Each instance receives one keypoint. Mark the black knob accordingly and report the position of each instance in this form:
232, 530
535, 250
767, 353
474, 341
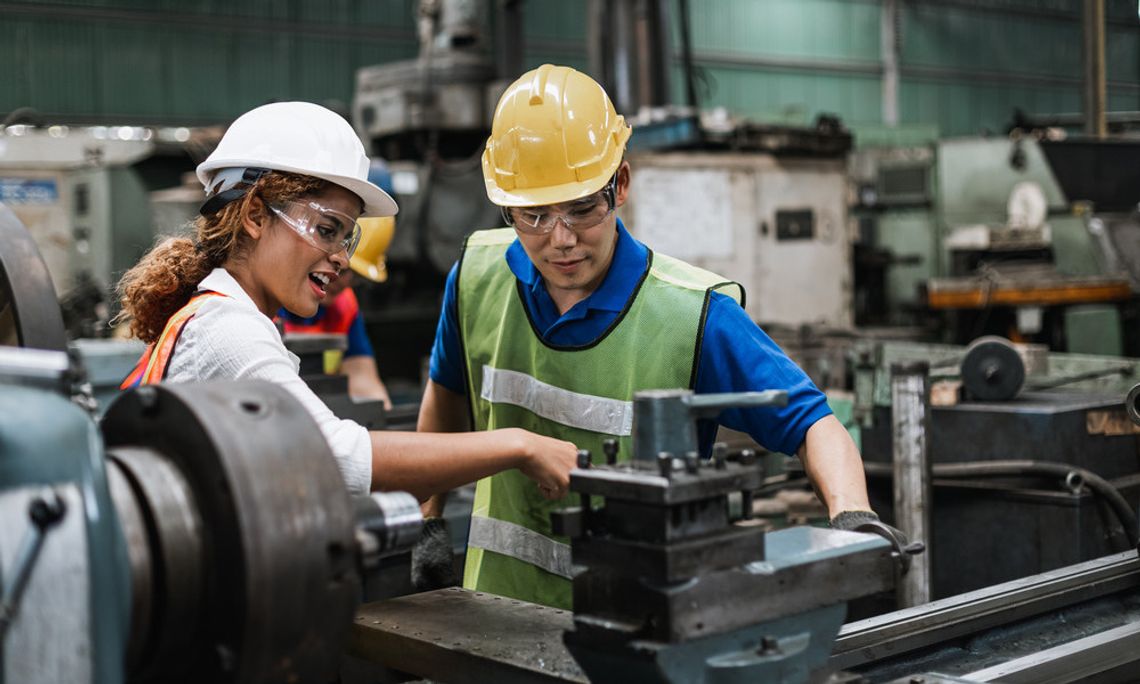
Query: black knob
583, 458
692, 462
610, 449
720, 455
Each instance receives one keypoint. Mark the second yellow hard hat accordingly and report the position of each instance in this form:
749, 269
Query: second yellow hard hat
369, 258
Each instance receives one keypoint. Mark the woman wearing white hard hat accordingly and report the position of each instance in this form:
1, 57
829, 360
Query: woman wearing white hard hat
285, 188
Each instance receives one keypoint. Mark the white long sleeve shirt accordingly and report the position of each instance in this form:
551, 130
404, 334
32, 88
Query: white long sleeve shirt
229, 339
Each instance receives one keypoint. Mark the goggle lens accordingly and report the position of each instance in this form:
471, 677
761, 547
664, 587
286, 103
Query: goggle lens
328, 230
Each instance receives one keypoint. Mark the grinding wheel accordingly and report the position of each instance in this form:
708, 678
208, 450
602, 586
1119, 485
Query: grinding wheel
1132, 403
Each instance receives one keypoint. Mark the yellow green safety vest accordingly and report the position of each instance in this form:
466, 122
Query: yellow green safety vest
581, 394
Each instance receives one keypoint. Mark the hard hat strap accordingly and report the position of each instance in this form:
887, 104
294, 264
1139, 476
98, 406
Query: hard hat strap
229, 186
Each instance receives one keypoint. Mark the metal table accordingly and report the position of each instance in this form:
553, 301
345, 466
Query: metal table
457, 635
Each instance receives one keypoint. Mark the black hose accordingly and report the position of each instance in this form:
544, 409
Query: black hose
1097, 484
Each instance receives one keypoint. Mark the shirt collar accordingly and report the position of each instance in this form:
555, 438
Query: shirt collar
219, 280
631, 259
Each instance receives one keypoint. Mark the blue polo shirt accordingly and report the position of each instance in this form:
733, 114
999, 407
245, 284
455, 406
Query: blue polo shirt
736, 355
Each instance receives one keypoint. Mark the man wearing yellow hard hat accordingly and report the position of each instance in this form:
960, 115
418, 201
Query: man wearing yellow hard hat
341, 314
554, 323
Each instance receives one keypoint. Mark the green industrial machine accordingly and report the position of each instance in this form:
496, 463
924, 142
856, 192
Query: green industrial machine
199, 532
997, 235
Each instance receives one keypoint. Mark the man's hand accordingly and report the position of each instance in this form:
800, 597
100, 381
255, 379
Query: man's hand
849, 520
868, 522
548, 462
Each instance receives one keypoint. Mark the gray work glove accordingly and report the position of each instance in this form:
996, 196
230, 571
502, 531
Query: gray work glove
868, 522
849, 520
433, 566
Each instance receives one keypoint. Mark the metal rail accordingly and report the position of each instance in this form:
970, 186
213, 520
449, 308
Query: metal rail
1075, 661
890, 635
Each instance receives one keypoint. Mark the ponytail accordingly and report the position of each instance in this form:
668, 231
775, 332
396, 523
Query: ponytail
161, 284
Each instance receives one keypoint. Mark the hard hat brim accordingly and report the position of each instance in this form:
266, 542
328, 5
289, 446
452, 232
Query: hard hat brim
376, 201
535, 197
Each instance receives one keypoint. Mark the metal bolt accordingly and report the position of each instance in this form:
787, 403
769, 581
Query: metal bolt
747, 457
692, 462
768, 645
720, 455
583, 458
610, 449
46, 510
665, 464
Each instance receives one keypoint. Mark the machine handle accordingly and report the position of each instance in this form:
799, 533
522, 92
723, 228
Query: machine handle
709, 405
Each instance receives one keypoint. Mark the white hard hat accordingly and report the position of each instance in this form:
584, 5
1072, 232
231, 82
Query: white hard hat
297, 137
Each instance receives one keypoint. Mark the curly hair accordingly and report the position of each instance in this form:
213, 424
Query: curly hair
164, 280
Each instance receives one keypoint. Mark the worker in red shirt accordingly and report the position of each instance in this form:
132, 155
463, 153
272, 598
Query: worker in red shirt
341, 315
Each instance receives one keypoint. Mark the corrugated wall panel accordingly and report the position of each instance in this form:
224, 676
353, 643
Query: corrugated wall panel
794, 97
845, 30
555, 32
66, 66
787, 60
132, 76
197, 63
965, 64
194, 62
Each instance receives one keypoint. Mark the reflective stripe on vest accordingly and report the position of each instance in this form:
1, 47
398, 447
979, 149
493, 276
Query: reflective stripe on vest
516, 541
597, 414
580, 394
155, 359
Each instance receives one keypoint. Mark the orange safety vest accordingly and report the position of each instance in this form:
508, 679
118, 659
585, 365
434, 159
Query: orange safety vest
154, 361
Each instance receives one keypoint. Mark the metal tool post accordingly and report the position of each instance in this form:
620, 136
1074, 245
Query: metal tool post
674, 591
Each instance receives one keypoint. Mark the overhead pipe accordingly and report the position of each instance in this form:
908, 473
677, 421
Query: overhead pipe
1095, 81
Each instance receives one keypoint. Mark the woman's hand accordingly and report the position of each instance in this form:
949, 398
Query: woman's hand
548, 462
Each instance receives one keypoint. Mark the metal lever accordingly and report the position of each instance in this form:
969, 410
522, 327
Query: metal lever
45, 512
902, 548
710, 405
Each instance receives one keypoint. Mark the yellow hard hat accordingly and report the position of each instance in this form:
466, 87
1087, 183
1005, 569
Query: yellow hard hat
375, 236
556, 137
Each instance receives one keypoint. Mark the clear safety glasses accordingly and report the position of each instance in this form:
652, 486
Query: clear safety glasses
328, 230
577, 215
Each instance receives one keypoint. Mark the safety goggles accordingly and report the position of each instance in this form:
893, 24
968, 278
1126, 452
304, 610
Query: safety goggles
328, 230
577, 215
